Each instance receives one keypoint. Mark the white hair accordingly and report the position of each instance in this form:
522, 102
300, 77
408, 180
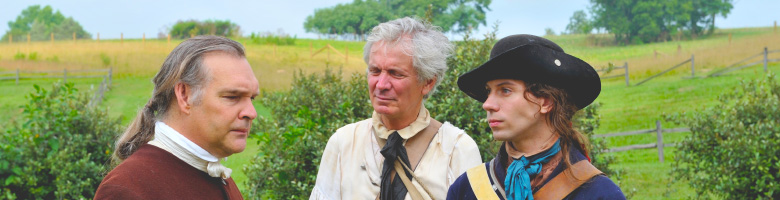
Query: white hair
425, 43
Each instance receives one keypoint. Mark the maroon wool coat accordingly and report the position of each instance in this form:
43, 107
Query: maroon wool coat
153, 173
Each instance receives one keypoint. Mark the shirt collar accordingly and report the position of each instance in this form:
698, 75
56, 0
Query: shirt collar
422, 121
178, 138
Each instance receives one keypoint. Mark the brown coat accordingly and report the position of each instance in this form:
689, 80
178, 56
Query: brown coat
153, 173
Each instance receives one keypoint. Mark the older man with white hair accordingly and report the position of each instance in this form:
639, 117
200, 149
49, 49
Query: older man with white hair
401, 152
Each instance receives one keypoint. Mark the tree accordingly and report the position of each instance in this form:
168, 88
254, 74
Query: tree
579, 23
642, 21
188, 28
41, 22
549, 32
358, 17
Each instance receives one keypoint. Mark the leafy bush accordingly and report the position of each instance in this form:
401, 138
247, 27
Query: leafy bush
292, 142
19, 56
105, 59
734, 147
60, 148
33, 56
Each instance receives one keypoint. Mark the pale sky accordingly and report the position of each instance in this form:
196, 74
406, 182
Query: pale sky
134, 18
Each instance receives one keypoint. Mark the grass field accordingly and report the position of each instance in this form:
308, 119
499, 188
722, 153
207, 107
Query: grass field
623, 108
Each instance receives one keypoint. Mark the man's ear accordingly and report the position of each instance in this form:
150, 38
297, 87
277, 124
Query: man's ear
182, 92
429, 85
546, 105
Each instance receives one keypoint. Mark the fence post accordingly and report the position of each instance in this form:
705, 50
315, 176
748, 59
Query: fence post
346, 54
693, 68
98, 37
766, 52
169, 38
328, 53
122, 38
28, 38
52, 38
74, 37
660, 142
143, 39
10, 38
65, 75
17, 75
274, 51
626, 67
311, 49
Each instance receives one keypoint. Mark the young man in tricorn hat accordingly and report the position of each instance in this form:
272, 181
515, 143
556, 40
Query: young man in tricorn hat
531, 89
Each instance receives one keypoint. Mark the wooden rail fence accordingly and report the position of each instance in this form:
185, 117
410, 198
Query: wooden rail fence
609, 69
96, 99
329, 48
659, 144
736, 66
693, 71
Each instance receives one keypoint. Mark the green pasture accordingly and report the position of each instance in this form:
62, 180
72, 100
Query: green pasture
622, 108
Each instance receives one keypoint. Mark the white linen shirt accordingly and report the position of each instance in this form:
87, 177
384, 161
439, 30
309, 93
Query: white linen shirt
351, 164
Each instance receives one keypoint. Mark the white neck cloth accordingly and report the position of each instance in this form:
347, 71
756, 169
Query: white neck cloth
175, 143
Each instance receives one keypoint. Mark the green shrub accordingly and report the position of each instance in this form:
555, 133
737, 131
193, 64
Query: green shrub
105, 59
59, 148
304, 118
33, 56
734, 147
292, 143
19, 56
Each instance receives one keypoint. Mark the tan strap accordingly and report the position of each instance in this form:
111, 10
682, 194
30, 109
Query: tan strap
566, 182
408, 183
480, 183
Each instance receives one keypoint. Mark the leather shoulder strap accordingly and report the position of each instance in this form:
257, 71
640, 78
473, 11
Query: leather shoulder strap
567, 181
480, 183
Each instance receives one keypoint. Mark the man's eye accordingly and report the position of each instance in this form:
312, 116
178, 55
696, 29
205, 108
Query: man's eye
506, 91
396, 74
232, 97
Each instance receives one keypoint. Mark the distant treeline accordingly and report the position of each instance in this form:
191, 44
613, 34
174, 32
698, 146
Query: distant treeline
643, 21
189, 28
357, 18
43, 23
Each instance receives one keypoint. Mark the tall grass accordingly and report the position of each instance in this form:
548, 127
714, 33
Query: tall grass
273, 65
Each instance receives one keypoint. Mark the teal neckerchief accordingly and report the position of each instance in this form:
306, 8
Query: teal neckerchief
518, 178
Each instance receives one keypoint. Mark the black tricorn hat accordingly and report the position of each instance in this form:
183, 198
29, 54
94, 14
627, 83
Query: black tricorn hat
534, 59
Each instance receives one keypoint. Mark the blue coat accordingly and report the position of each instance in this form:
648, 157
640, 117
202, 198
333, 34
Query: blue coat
598, 187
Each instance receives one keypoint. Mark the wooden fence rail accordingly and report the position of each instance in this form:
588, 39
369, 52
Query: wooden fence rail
96, 99
330, 48
65, 74
670, 69
736, 66
659, 144
625, 74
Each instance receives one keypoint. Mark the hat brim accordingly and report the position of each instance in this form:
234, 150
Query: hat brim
536, 63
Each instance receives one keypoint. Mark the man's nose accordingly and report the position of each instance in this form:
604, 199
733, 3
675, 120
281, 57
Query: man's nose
383, 82
248, 112
490, 105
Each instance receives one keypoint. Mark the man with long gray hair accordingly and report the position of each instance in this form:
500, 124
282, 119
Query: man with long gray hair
200, 113
401, 152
